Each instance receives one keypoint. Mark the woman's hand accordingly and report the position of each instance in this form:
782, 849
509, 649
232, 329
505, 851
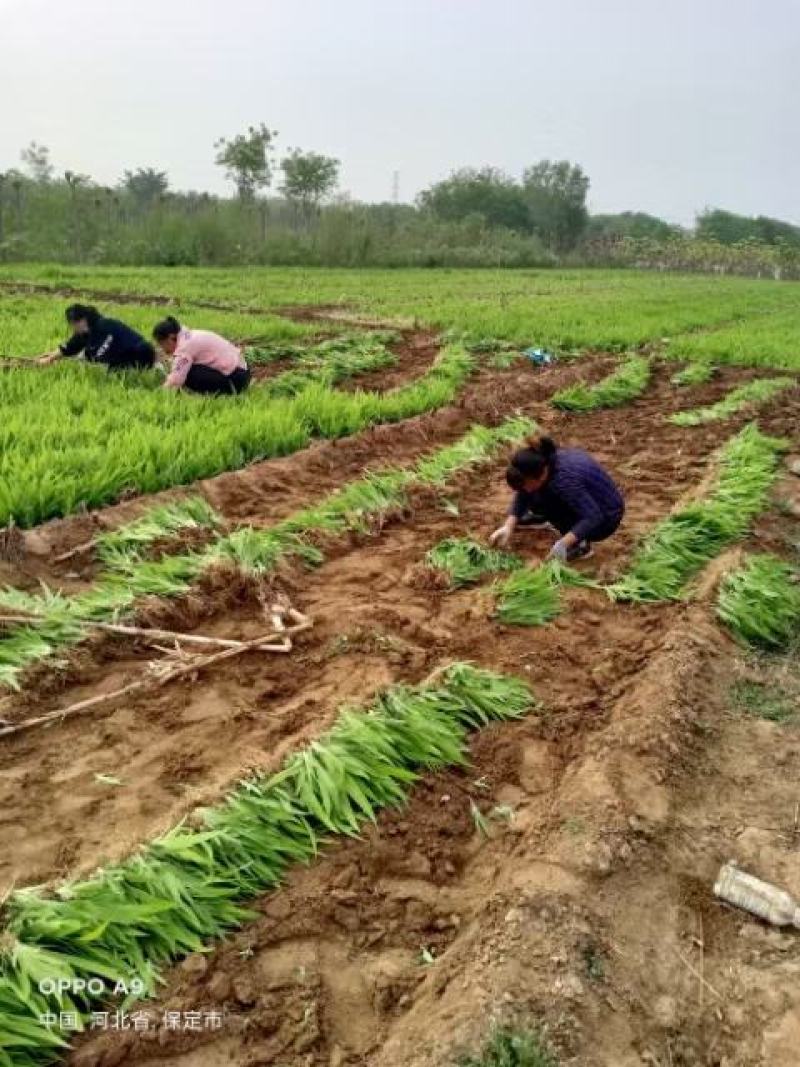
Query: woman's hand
49, 357
561, 548
502, 536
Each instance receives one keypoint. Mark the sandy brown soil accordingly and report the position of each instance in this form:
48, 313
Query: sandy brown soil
590, 909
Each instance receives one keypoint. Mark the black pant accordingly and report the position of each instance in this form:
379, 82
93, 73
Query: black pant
564, 523
202, 379
131, 359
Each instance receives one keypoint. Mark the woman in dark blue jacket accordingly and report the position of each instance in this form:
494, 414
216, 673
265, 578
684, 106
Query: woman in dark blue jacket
565, 488
103, 340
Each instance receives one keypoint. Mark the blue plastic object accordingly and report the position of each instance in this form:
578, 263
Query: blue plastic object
540, 357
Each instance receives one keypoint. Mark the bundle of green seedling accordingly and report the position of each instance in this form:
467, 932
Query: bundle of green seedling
625, 384
63, 445
189, 887
694, 374
688, 539
465, 562
531, 597
58, 622
333, 361
750, 395
760, 602
119, 547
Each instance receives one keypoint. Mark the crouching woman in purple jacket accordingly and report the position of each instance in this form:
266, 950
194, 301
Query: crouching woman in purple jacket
565, 488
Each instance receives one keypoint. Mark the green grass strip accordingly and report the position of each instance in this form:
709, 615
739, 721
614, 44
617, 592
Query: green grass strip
760, 602
688, 539
118, 547
322, 350
625, 384
188, 887
694, 374
65, 620
749, 395
331, 362
465, 561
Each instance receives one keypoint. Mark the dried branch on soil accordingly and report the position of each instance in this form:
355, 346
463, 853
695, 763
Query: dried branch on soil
760, 602
187, 887
626, 383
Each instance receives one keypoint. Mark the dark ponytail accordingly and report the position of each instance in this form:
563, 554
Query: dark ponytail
168, 327
78, 312
530, 462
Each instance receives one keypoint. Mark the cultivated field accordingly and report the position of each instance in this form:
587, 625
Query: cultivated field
461, 790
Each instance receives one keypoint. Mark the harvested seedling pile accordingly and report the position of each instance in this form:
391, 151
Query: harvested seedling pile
465, 561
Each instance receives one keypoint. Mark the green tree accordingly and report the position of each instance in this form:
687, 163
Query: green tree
555, 193
247, 159
714, 224
486, 192
308, 177
145, 185
36, 158
631, 224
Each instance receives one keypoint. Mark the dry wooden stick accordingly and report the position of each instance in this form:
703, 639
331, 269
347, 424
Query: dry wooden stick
84, 546
195, 664
151, 633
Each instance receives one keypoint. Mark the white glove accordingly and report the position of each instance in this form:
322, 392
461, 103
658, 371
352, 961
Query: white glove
559, 551
501, 537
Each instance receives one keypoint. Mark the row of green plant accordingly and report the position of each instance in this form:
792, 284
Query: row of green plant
126, 544
331, 362
694, 374
760, 602
73, 437
277, 351
762, 341
750, 395
683, 543
188, 887
62, 621
557, 309
625, 384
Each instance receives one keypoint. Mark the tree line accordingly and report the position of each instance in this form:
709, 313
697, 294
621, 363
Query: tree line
286, 210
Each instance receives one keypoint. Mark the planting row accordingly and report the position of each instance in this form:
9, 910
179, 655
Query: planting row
60, 621
65, 952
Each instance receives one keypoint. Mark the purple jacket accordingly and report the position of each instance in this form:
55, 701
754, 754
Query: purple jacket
579, 496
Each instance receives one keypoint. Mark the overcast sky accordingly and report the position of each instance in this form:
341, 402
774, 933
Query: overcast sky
670, 105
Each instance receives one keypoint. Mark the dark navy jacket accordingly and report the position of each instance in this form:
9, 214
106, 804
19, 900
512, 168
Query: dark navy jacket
106, 341
579, 496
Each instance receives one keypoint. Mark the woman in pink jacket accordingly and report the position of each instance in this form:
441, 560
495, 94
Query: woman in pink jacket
202, 361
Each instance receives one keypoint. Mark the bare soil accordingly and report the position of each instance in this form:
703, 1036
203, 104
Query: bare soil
588, 907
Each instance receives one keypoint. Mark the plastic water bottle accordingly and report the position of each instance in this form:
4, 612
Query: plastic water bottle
769, 903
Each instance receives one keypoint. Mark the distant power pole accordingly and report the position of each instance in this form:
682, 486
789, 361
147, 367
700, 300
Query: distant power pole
396, 187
